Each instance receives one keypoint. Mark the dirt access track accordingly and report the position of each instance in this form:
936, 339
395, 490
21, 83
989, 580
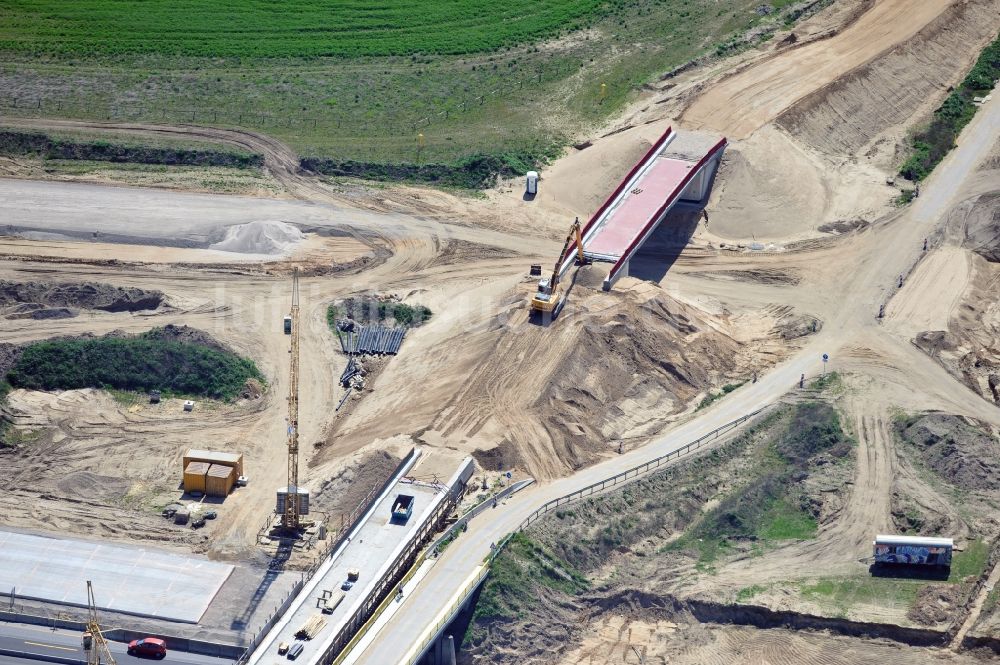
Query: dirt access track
616, 371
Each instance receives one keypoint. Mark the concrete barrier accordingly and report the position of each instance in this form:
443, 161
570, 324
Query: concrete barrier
30, 655
217, 649
126, 635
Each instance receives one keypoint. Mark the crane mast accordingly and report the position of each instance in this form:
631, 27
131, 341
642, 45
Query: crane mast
93, 640
291, 516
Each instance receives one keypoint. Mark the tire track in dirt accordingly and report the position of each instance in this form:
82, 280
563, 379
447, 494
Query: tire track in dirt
282, 163
866, 511
501, 391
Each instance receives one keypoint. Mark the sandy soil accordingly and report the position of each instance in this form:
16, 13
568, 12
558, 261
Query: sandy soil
866, 110
699, 310
185, 178
634, 639
740, 104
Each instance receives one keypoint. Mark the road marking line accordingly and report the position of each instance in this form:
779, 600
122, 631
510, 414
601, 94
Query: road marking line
50, 646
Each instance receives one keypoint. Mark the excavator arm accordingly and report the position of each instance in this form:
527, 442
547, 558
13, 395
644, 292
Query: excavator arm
547, 300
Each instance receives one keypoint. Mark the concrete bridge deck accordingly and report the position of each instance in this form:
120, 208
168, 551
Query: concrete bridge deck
677, 167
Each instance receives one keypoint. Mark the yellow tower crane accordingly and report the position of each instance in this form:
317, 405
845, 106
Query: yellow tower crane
291, 517
93, 639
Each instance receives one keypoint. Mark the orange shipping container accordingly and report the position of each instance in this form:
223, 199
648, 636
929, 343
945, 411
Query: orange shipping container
219, 480
234, 460
194, 476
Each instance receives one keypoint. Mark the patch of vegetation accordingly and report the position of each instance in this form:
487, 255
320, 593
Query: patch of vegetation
786, 521
478, 171
970, 562
139, 363
831, 381
905, 197
516, 576
256, 29
368, 311
712, 397
846, 592
127, 398
452, 537
356, 82
932, 143
771, 507
748, 592
13, 437
17, 143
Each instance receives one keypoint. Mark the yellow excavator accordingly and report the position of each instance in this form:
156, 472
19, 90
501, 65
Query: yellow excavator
550, 299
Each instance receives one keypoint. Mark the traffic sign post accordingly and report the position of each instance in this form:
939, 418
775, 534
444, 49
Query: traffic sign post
826, 357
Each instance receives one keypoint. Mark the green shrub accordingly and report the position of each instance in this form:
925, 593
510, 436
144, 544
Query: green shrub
140, 363
366, 310
930, 145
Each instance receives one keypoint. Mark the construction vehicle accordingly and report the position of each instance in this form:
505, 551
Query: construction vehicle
550, 298
93, 639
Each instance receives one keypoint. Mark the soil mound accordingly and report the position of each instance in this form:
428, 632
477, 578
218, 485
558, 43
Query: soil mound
601, 373
174, 333
270, 237
40, 300
965, 456
979, 220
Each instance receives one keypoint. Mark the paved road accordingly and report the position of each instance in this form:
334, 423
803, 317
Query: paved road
67, 644
896, 246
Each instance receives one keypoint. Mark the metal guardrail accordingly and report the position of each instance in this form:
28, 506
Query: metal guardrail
596, 488
451, 532
397, 570
448, 617
629, 474
346, 527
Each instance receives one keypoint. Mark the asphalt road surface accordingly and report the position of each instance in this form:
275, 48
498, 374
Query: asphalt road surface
44, 642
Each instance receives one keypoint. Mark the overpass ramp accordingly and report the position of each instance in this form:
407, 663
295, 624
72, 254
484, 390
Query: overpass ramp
679, 167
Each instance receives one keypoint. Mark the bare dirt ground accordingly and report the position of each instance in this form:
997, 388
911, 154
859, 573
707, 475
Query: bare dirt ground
630, 636
747, 100
700, 310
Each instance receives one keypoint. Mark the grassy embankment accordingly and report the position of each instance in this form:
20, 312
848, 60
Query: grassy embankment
493, 88
770, 506
764, 503
139, 363
932, 143
57, 147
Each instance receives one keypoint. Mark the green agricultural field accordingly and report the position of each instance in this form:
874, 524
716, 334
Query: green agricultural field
359, 80
263, 28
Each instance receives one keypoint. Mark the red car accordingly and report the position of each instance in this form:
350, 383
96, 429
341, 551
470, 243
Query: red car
148, 646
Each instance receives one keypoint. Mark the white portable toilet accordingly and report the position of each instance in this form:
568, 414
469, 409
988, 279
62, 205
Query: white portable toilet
532, 183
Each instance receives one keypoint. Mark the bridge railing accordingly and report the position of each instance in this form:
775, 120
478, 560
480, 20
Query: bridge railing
629, 474
447, 617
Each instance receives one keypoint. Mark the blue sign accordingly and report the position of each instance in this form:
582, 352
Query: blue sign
508, 475
825, 357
